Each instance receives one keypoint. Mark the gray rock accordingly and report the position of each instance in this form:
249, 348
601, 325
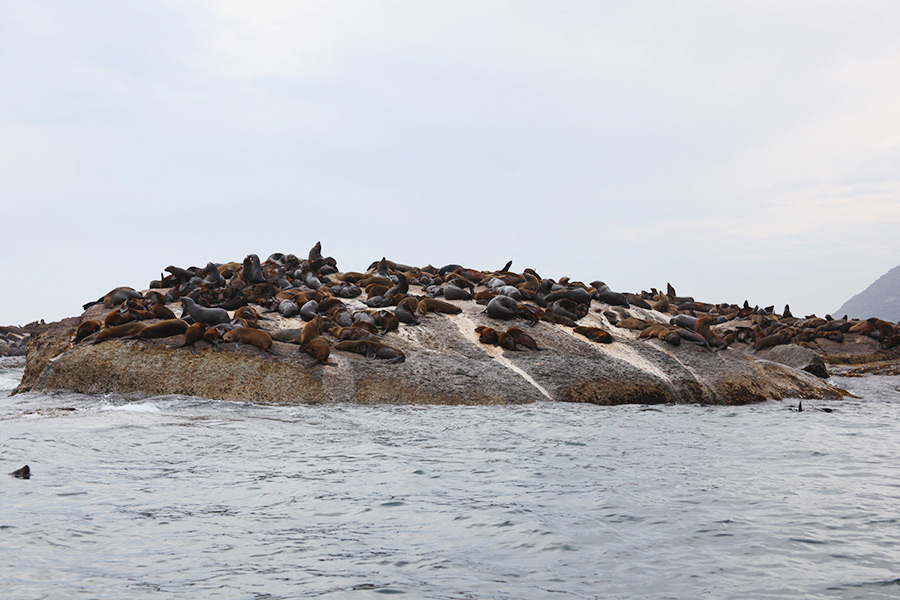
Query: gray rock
798, 357
445, 364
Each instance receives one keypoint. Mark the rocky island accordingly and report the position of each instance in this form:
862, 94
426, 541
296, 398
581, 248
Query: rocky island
299, 330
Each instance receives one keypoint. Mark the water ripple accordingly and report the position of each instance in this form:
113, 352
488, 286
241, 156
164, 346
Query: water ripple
179, 496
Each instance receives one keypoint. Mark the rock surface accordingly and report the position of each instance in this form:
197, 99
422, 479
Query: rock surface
798, 357
445, 364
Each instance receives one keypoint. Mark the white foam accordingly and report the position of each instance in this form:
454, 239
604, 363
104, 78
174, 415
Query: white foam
143, 407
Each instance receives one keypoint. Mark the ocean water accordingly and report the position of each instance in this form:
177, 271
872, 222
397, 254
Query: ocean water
179, 497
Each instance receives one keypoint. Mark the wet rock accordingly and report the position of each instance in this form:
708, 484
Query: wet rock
798, 357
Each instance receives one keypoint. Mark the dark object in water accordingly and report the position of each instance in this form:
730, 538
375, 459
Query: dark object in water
23, 473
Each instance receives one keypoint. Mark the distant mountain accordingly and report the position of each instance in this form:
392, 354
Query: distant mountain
881, 299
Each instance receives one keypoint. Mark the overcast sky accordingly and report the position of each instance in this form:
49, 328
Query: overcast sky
737, 150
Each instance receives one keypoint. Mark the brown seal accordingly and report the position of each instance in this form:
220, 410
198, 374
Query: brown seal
163, 329
247, 315
595, 334
119, 331
192, 335
248, 335
372, 349
352, 333
319, 349
213, 335
552, 317
120, 316
387, 320
776, 339
522, 338
659, 331
487, 335
311, 331
662, 304
702, 326
434, 305
506, 341
86, 328
161, 311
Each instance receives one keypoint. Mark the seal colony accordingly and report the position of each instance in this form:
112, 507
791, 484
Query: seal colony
300, 329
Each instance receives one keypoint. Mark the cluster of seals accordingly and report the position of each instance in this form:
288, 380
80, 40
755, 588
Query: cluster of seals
228, 304
14, 339
360, 312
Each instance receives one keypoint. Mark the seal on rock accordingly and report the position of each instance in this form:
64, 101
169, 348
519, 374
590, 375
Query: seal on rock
210, 316
119, 331
248, 335
163, 329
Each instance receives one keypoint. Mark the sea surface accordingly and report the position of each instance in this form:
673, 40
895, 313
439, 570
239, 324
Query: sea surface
181, 497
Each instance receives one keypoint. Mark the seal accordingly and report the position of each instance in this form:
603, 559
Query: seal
633, 323
161, 311
247, 316
595, 334
426, 305
163, 329
252, 270
702, 326
86, 328
213, 335
405, 314
693, 337
288, 309
552, 317
686, 321
210, 316
310, 331
603, 294
568, 309
487, 335
506, 341
372, 349
661, 304
289, 336
502, 307
248, 335
635, 300
120, 316
452, 292
115, 297
658, 331
352, 333
119, 331
575, 294
212, 277
23, 473
387, 320
522, 338
319, 349
192, 335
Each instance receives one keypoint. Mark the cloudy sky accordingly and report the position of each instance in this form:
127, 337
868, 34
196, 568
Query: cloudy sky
744, 150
